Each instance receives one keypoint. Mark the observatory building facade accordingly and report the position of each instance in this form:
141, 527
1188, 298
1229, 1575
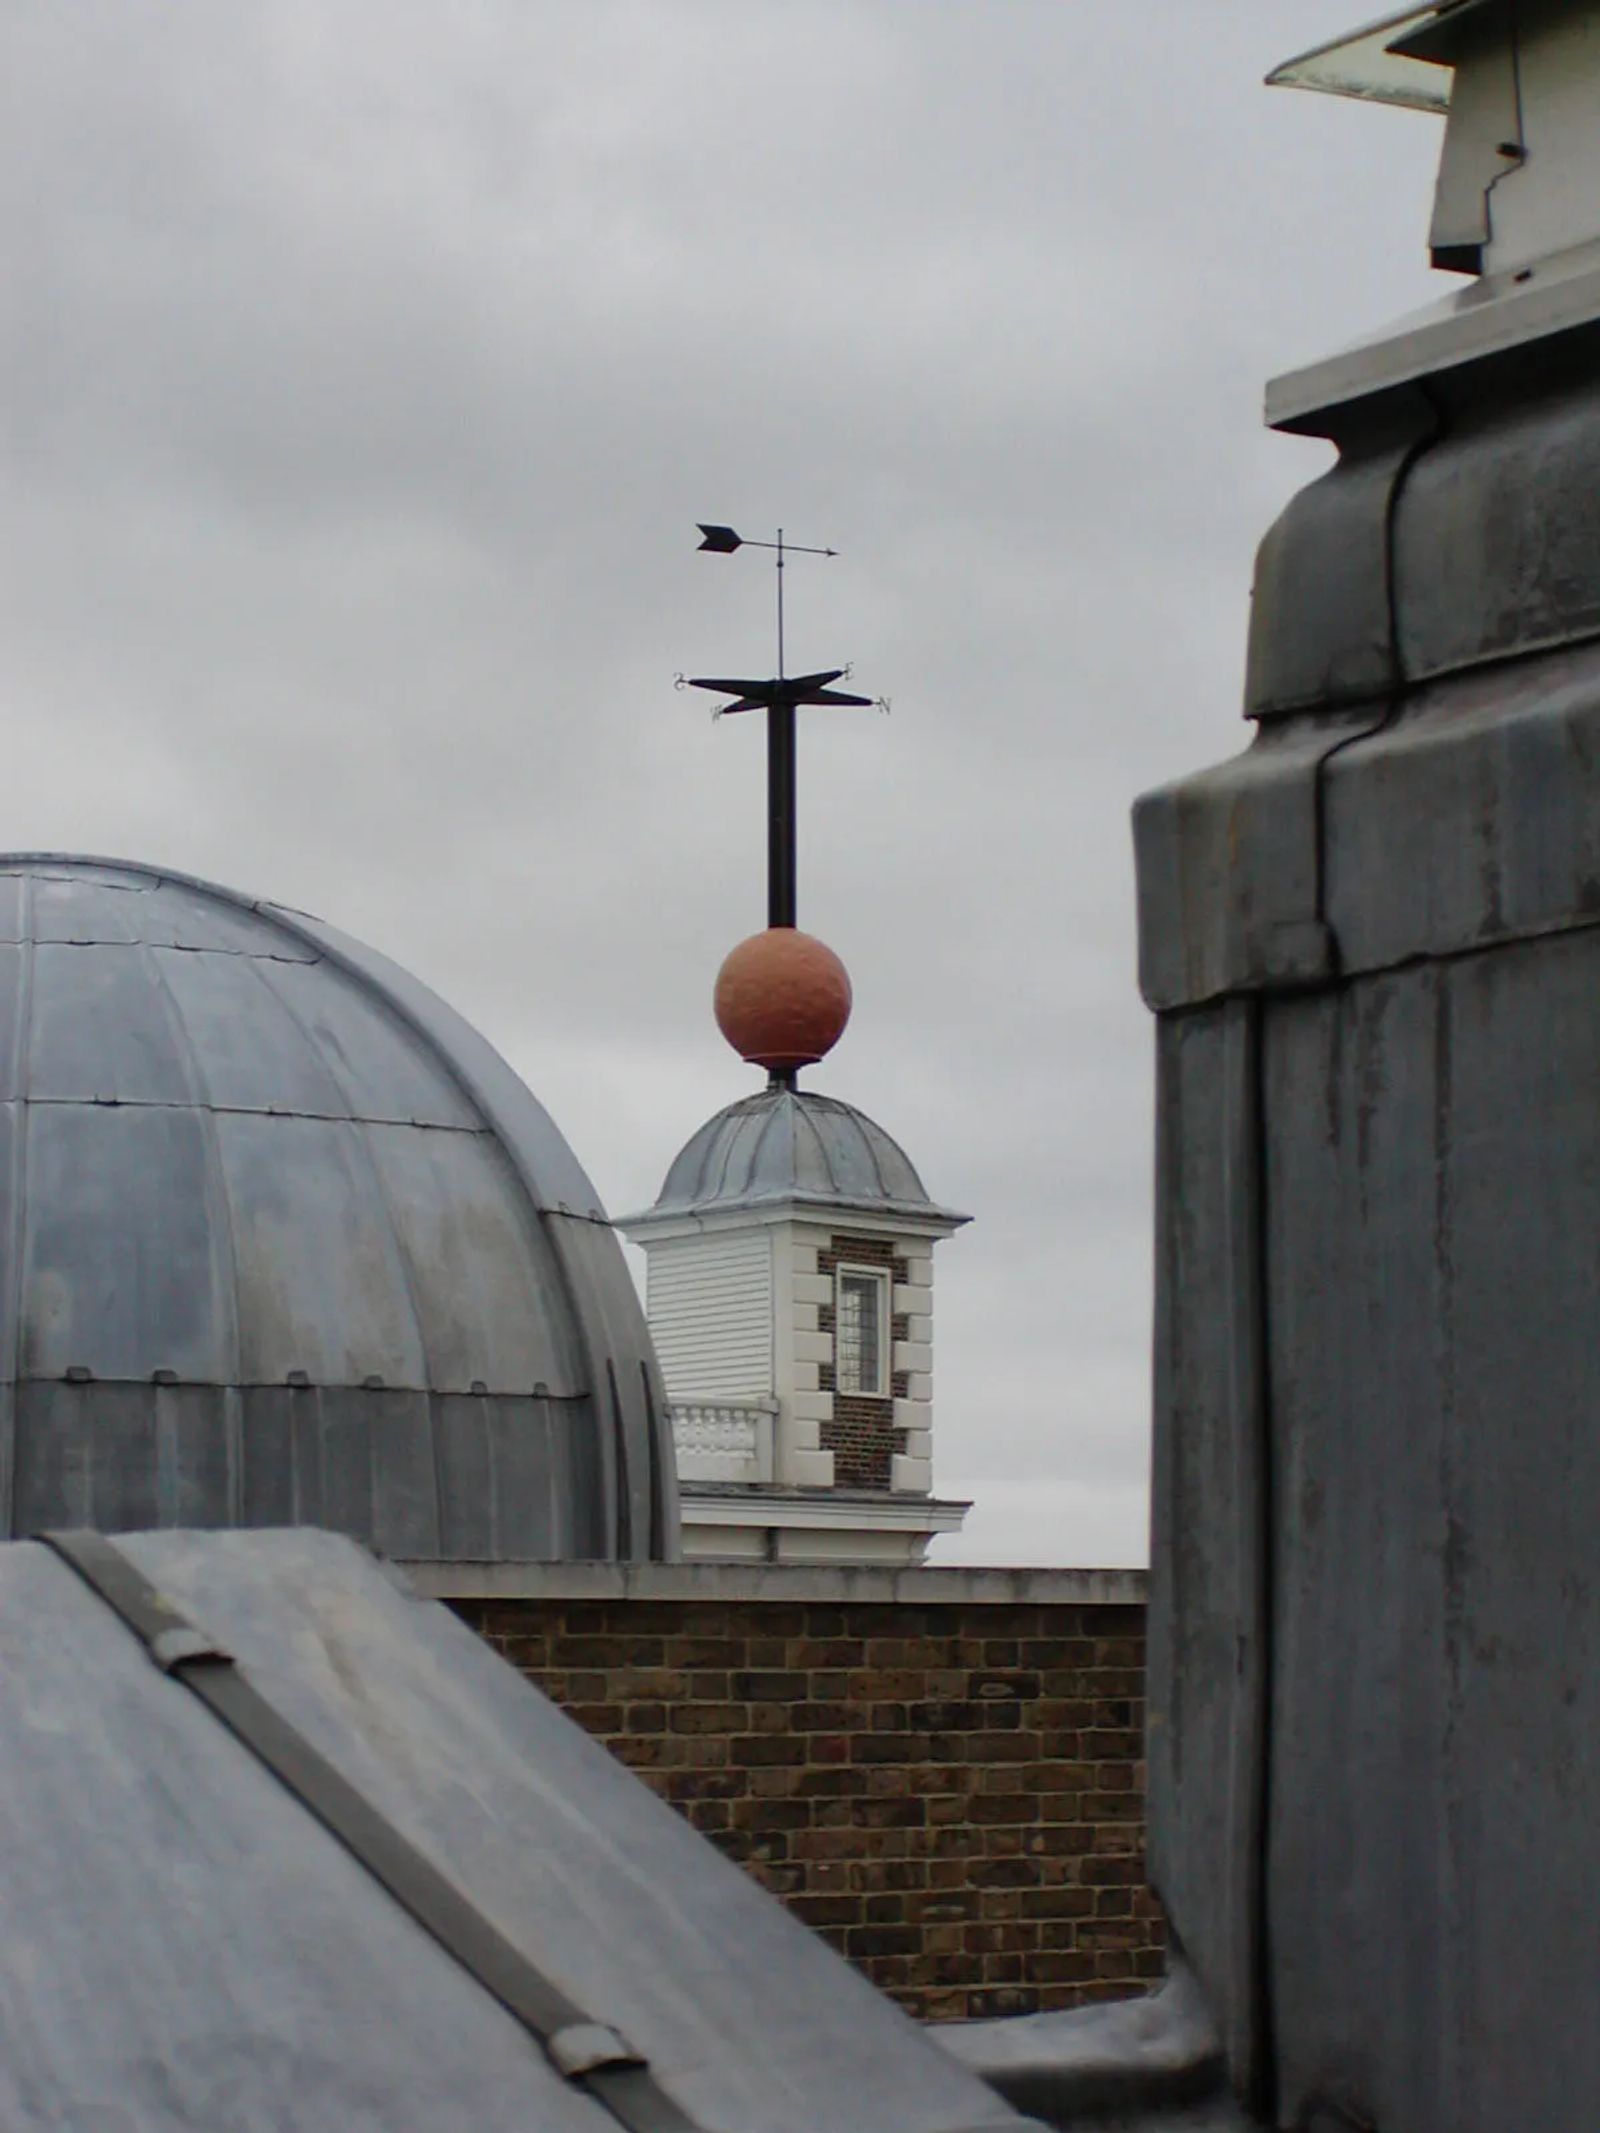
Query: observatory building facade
288, 1243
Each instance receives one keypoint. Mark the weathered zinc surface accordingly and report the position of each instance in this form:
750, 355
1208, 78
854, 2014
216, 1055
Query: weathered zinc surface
283, 1241
1374, 945
784, 1144
183, 1945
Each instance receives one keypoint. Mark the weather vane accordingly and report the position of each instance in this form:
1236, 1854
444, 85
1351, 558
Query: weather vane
779, 698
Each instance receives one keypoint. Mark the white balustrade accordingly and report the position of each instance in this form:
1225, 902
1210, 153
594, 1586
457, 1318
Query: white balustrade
719, 1440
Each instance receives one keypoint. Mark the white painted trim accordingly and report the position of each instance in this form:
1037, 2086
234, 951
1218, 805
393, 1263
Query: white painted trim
866, 1221
811, 1470
906, 1514
787, 1375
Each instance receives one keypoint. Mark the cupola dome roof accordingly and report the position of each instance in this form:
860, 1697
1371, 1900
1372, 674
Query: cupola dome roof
788, 1144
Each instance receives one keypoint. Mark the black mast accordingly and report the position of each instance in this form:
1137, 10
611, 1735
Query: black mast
782, 797
779, 698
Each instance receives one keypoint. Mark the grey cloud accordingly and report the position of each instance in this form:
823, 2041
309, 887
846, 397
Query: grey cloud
365, 367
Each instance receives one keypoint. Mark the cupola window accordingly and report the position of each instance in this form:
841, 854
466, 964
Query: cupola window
861, 1325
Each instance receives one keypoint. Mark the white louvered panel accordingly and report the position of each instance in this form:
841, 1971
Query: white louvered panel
710, 1310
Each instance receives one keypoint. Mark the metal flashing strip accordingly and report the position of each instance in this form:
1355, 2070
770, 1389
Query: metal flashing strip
589, 2053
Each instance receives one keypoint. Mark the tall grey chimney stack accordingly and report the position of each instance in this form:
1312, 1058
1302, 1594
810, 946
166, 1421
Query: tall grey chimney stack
1372, 944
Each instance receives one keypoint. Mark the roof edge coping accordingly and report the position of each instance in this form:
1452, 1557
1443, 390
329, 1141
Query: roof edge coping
779, 1584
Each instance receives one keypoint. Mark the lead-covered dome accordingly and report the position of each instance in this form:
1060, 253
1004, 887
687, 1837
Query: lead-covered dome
286, 1242
792, 1144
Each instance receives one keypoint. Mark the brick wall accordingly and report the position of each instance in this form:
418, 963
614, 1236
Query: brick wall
938, 1770
861, 1433
861, 1437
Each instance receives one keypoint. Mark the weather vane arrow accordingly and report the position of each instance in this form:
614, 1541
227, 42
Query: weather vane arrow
778, 697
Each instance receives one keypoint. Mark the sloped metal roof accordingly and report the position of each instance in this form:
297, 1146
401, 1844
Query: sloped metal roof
284, 1239
793, 1144
183, 1946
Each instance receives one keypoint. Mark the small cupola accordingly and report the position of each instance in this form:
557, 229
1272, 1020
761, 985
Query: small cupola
790, 1301
790, 1252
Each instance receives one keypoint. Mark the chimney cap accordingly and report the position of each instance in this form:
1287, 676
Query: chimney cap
1403, 58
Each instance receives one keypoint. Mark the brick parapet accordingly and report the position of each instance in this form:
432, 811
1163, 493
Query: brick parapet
949, 1790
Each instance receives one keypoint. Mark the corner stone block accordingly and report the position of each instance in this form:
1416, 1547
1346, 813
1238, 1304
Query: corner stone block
812, 1406
910, 1477
818, 1289
919, 1385
918, 1444
812, 1470
908, 1355
920, 1329
807, 1380
911, 1414
805, 1433
805, 1317
818, 1348
914, 1297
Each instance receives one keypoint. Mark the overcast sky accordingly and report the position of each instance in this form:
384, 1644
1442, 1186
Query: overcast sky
367, 363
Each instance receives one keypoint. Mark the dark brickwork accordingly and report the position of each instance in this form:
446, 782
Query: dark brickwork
951, 1794
861, 1434
862, 1440
862, 1251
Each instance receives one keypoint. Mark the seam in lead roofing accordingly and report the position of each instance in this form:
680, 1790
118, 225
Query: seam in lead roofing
740, 1127
16, 1227
334, 1070
778, 1122
326, 1118
221, 1208
819, 1149
242, 955
872, 1148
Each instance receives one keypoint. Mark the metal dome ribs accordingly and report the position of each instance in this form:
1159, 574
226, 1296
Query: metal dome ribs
286, 1242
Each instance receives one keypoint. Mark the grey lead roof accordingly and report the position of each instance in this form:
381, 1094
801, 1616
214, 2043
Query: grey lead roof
182, 1947
793, 1144
284, 1240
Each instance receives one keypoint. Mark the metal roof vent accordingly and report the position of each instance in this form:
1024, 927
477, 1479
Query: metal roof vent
1517, 199
1519, 82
